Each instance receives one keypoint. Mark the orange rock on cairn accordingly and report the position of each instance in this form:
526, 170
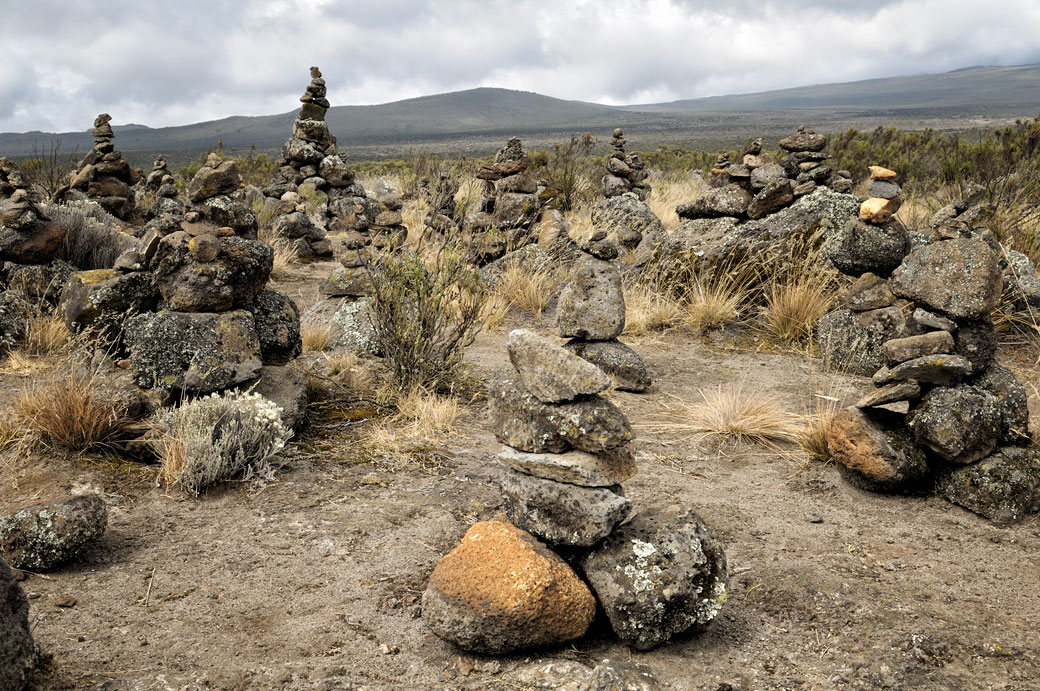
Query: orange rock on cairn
502, 590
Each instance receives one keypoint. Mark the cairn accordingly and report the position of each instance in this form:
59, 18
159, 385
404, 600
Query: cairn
625, 172
944, 412
591, 313
104, 175
510, 204
212, 193
758, 186
444, 216
27, 235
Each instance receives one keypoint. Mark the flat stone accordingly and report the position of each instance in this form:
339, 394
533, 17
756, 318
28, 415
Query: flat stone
907, 390
550, 372
904, 349
879, 173
624, 366
869, 292
878, 210
931, 321
874, 451
561, 513
939, 369
883, 189
576, 467
501, 590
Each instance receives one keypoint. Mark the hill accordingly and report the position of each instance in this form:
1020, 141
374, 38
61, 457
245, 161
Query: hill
477, 120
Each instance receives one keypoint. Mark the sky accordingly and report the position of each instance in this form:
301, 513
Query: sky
162, 63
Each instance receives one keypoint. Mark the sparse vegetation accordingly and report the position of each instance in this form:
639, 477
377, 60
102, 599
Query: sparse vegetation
93, 239
731, 412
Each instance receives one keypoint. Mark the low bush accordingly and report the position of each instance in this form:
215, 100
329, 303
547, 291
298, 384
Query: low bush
92, 238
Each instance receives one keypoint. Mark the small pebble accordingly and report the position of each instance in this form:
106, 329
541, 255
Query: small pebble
813, 518
65, 601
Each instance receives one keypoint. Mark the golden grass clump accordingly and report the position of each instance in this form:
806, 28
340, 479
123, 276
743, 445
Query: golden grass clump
525, 289
793, 308
670, 193
812, 437
316, 336
711, 304
71, 410
285, 257
422, 418
647, 311
46, 335
347, 369
734, 413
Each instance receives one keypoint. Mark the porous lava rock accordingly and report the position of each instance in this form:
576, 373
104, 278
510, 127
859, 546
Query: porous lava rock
43, 536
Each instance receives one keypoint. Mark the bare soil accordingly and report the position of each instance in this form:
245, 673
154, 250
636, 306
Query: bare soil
314, 580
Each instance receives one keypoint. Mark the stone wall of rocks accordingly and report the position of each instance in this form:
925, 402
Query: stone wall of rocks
945, 413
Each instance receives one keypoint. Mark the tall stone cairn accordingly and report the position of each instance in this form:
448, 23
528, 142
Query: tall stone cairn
104, 175
510, 203
625, 172
27, 236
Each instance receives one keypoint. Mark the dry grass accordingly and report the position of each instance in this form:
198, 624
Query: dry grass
669, 193
648, 311
793, 307
46, 335
285, 257
348, 370
816, 428
316, 335
422, 419
525, 290
734, 413
71, 410
711, 304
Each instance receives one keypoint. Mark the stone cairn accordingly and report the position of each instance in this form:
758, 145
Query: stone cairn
758, 185
443, 216
161, 183
625, 172
945, 413
213, 200
591, 313
567, 451
510, 204
104, 175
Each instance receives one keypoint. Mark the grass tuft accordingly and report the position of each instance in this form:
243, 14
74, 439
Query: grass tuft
732, 412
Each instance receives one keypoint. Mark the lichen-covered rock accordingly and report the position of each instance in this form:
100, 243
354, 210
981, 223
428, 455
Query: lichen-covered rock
516, 209
211, 181
224, 211
198, 352
576, 467
857, 247
15, 312
1003, 487
976, 341
592, 305
626, 217
960, 278
41, 282
551, 373
869, 292
874, 451
731, 200
502, 590
277, 321
352, 328
43, 536
561, 513
347, 282
230, 281
1013, 401
520, 420
624, 366
660, 575
852, 341
907, 348
286, 388
940, 369
960, 423
100, 301
17, 650
774, 196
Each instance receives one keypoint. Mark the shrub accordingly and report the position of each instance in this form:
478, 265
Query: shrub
220, 437
425, 312
92, 238
47, 171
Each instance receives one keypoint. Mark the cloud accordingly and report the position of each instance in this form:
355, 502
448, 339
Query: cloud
175, 63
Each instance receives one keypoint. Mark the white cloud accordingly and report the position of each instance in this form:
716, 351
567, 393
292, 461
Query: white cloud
176, 63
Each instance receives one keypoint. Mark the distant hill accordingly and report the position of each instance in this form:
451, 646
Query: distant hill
479, 120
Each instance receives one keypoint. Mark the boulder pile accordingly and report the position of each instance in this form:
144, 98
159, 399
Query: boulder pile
758, 185
104, 175
591, 312
27, 236
212, 195
945, 412
566, 454
625, 172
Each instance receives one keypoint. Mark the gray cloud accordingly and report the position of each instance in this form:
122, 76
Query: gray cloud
176, 63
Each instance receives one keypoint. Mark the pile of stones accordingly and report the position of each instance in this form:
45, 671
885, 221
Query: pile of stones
104, 175
212, 193
591, 312
161, 183
945, 413
510, 204
625, 172
504, 588
758, 185
27, 235
443, 216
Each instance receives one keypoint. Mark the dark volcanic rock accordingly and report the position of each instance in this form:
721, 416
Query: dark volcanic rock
43, 536
277, 321
960, 423
874, 451
1003, 487
230, 281
858, 247
625, 367
17, 651
852, 341
959, 278
1014, 408
100, 301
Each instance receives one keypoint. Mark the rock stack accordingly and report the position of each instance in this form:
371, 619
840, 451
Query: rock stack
591, 313
104, 175
945, 411
510, 204
27, 236
625, 172
884, 196
567, 451
160, 183
758, 186
212, 195
443, 216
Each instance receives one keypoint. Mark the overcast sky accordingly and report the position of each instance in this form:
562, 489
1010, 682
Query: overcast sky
173, 62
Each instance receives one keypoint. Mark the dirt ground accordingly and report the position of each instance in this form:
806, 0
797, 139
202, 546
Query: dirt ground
314, 580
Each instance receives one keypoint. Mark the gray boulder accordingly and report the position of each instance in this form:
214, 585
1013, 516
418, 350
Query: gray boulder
551, 373
857, 247
1021, 281
352, 328
286, 388
940, 369
277, 321
960, 278
627, 218
766, 174
231, 280
771, 198
1013, 402
198, 352
43, 536
100, 301
731, 200
624, 366
662, 574
874, 452
17, 650
960, 423
210, 182
1003, 487
559, 512
869, 292
592, 305
976, 341
852, 341
347, 282
576, 467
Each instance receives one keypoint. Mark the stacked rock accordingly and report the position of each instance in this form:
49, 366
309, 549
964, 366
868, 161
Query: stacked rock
212, 195
18, 653
443, 216
965, 411
566, 454
510, 204
27, 236
884, 196
625, 172
758, 185
591, 313
104, 175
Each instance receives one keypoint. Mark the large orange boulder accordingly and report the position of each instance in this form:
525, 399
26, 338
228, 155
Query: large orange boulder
502, 590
